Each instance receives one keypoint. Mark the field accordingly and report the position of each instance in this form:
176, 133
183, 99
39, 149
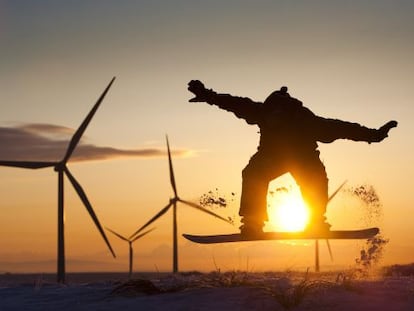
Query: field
391, 288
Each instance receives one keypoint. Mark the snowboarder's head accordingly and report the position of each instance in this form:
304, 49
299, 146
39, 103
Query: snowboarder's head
281, 98
276, 96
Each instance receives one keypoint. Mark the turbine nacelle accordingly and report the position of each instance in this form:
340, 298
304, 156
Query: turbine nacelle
174, 200
60, 167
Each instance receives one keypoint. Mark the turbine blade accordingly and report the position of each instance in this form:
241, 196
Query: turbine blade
172, 178
117, 234
142, 234
27, 164
200, 208
158, 215
82, 195
329, 249
336, 191
79, 132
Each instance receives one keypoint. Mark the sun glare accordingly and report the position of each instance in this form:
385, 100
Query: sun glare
288, 212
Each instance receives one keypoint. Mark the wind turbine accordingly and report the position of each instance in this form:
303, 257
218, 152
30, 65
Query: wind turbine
173, 203
130, 241
327, 241
61, 168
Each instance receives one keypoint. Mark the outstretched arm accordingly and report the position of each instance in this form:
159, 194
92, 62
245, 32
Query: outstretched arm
328, 130
242, 107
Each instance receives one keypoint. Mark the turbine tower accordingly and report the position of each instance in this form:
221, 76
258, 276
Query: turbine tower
62, 170
317, 267
130, 241
173, 203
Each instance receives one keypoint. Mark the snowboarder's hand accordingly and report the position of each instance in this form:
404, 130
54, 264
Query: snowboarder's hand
382, 132
197, 88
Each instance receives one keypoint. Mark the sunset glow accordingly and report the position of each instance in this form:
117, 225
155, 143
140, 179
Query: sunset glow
288, 212
343, 60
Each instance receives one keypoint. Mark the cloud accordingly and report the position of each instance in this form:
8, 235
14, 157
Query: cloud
48, 142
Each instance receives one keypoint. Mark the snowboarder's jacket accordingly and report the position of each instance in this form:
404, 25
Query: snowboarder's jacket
286, 125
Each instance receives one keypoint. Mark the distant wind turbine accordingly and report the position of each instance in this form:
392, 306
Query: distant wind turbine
62, 169
173, 203
327, 241
130, 241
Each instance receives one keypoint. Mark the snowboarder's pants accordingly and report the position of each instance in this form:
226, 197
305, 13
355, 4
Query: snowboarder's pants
308, 172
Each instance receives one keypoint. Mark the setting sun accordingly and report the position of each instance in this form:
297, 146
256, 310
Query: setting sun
287, 211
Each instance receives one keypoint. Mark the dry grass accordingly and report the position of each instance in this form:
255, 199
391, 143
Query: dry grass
289, 289
399, 270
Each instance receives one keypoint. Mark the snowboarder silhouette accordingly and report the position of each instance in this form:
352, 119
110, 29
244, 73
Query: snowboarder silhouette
289, 133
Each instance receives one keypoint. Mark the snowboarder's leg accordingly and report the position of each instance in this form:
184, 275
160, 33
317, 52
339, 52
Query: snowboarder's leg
253, 203
310, 175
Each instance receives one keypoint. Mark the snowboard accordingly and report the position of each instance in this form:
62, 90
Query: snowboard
302, 235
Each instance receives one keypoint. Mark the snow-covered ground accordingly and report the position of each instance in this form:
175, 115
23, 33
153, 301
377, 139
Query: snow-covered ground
212, 291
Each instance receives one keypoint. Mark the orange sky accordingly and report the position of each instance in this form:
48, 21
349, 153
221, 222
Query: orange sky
351, 61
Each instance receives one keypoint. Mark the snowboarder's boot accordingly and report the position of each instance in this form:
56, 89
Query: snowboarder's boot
251, 227
318, 225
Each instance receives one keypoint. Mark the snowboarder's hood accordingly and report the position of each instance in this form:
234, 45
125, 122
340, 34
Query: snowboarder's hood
278, 98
